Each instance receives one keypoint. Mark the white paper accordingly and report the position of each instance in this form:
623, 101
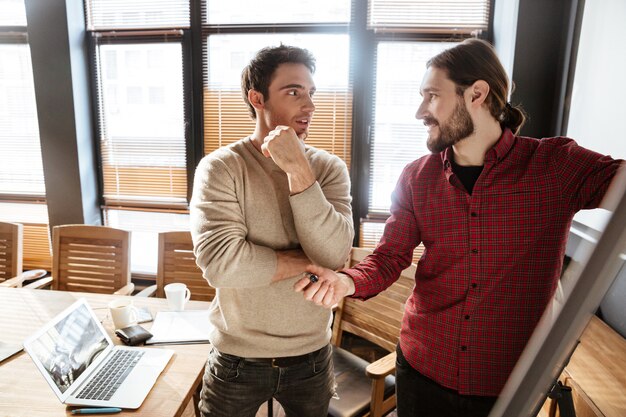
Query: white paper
8, 349
179, 327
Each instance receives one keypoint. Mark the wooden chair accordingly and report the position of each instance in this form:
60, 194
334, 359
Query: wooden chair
177, 263
368, 389
90, 259
11, 239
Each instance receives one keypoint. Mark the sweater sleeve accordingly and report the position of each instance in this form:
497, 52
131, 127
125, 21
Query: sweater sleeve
323, 215
219, 232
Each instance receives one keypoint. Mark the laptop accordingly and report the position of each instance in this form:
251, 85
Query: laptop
83, 366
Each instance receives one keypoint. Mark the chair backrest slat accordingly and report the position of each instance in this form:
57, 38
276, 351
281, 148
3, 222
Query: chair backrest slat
378, 319
90, 258
177, 263
11, 244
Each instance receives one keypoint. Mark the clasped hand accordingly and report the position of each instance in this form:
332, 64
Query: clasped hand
328, 290
285, 148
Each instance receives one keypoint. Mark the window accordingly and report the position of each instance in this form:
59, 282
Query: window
168, 92
398, 138
407, 34
226, 116
141, 56
143, 107
275, 12
22, 190
231, 40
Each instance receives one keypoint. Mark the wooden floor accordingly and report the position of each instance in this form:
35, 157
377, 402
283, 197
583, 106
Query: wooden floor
278, 411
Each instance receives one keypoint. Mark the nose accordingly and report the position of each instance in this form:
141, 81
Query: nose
308, 104
421, 111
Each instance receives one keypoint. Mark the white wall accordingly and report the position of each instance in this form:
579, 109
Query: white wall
598, 106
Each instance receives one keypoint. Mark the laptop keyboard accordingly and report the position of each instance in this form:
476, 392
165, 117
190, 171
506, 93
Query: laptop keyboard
109, 378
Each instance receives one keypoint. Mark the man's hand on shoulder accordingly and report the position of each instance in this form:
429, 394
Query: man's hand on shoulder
327, 288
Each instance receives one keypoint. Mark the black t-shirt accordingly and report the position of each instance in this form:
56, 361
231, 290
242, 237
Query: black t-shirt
467, 175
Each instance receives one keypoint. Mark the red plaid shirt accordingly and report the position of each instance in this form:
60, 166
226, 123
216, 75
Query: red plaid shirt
492, 259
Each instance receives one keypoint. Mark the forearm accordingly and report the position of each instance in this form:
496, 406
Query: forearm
301, 179
235, 263
348, 282
289, 263
324, 229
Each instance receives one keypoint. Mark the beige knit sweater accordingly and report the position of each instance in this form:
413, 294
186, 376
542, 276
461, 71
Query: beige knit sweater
241, 212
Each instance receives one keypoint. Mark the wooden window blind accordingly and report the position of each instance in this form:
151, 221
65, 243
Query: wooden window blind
226, 117
227, 120
273, 12
34, 216
136, 14
429, 16
142, 123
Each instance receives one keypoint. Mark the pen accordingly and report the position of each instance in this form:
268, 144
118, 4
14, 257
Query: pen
103, 410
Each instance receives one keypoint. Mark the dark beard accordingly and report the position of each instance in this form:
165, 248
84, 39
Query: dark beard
457, 128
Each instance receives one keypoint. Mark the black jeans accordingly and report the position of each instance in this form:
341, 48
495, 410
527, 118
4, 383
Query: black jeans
418, 396
235, 387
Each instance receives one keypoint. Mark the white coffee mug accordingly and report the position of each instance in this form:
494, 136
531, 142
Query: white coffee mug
177, 295
123, 313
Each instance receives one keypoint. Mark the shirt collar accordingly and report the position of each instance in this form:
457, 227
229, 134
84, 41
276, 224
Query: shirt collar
502, 146
496, 153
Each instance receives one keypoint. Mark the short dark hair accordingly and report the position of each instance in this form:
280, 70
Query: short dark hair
473, 60
258, 74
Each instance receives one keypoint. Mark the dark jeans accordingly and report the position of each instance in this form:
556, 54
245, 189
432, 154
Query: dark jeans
235, 387
418, 396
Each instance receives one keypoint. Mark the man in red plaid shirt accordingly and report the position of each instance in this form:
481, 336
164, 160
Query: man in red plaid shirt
493, 211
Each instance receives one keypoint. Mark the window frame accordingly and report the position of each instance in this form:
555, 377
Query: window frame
362, 158
363, 46
34, 254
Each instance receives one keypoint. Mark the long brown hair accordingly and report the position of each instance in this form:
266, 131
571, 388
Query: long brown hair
473, 60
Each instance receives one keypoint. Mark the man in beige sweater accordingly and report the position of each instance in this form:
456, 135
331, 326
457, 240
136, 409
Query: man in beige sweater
263, 209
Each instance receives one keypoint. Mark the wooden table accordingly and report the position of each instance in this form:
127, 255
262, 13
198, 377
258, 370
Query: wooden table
596, 373
23, 390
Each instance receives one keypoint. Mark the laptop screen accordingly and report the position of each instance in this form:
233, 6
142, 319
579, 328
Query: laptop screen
69, 347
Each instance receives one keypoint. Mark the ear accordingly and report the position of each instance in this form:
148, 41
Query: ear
256, 99
478, 92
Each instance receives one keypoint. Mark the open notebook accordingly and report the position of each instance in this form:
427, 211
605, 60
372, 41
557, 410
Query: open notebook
83, 367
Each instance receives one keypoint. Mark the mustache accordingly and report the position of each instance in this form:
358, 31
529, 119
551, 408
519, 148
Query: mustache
430, 120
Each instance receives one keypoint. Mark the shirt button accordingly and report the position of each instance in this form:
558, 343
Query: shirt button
474, 285
463, 348
467, 317
474, 214
474, 250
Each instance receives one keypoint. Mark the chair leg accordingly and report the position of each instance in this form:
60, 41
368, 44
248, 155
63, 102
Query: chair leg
378, 396
196, 400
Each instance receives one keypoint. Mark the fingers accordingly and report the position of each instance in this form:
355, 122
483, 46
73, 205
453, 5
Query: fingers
265, 150
318, 288
313, 288
273, 134
329, 298
301, 284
